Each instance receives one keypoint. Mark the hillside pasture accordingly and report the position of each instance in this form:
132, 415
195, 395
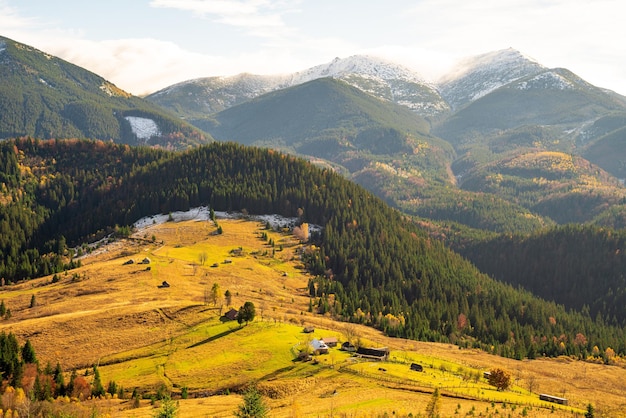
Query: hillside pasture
115, 315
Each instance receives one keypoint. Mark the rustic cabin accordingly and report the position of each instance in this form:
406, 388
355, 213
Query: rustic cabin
164, 284
380, 354
417, 367
319, 347
555, 399
348, 346
145, 261
231, 314
331, 341
308, 330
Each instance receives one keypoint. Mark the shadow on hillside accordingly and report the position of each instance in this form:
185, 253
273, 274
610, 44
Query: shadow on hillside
215, 337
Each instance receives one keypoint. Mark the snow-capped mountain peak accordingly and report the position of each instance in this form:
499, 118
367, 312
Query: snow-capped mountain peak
362, 65
477, 76
376, 76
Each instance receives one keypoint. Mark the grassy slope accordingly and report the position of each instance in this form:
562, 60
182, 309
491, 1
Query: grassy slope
144, 336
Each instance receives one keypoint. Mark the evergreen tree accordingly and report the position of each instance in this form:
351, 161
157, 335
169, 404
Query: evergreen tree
59, 380
96, 387
434, 405
69, 389
112, 387
28, 353
228, 297
169, 409
253, 405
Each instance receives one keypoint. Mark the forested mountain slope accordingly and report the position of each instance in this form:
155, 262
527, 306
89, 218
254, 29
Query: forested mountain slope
581, 267
374, 266
385, 147
46, 97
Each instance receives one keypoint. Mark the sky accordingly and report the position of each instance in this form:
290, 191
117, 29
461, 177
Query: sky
146, 45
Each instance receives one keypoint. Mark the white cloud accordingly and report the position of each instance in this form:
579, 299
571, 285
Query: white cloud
10, 18
257, 17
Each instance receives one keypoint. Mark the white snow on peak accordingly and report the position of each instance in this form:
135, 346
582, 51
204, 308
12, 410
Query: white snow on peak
478, 76
490, 62
547, 80
362, 65
142, 127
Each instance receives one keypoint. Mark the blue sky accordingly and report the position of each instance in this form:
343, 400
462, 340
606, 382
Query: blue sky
145, 45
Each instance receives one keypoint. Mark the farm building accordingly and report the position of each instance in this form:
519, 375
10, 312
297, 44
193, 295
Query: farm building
554, 399
319, 347
308, 330
331, 341
348, 346
164, 284
379, 354
417, 367
145, 261
231, 314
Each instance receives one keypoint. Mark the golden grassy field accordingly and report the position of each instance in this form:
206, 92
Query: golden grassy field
144, 336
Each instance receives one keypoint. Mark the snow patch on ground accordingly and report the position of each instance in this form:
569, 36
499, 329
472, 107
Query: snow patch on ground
3, 46
203, 213
142, 127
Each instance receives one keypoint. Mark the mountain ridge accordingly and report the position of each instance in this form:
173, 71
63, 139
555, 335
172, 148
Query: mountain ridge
46, 97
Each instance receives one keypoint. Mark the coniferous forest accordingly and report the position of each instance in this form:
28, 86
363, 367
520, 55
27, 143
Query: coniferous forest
372, 265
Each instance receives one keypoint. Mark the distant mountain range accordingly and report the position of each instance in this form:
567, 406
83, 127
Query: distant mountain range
489, 114
501, 143
200, 97
46, 97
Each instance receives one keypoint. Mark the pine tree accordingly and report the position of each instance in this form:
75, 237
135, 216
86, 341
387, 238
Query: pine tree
59, 380
169, 409
28, 353
96, 388
253, 405
434, 405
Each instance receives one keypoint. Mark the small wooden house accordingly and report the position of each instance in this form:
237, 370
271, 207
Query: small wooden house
319, 347
308, 330
380, 354
555, 399
231, 314
417, 367
348, 346
164, 284
331, 341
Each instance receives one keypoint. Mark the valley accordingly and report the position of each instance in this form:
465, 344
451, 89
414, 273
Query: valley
467, 226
